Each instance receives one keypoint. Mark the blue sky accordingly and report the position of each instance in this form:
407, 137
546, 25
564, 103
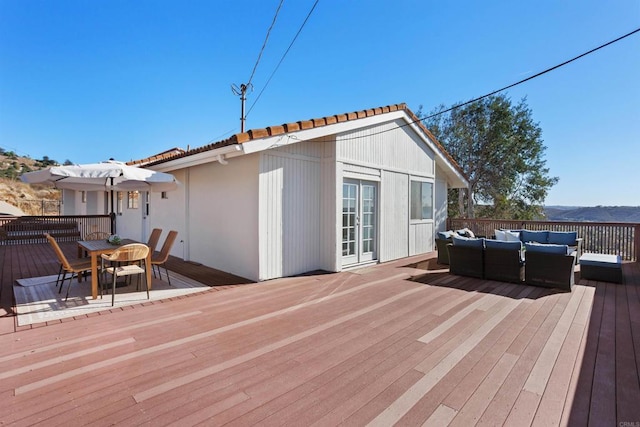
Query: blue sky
89, 80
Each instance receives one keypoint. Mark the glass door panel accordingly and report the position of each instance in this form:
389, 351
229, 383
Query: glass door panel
349, 223
359, 221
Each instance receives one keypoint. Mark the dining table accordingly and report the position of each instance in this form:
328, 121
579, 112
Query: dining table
95, 248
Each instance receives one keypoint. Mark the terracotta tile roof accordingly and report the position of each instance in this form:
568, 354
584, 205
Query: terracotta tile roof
158, 158
241, 138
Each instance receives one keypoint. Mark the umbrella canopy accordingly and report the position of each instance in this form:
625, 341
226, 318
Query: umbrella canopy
105, 176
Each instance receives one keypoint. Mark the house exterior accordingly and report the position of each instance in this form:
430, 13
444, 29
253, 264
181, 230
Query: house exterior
323, 194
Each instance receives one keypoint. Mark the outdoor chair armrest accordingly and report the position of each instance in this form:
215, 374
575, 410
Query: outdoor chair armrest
578, 248
443, 252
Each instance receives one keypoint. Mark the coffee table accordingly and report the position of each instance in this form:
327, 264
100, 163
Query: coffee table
601, 267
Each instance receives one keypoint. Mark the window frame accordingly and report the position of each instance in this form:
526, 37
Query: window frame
412, 208
133, 199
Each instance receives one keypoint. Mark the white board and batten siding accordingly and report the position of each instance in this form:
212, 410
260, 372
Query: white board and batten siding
292, 187
440, 205
400, 156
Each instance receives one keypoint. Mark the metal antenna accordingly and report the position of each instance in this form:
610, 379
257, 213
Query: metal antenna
242, 92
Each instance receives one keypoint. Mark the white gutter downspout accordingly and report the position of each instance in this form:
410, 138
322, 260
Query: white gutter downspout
221, 159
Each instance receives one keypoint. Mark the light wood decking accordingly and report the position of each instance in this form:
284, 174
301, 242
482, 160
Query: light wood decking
386, 344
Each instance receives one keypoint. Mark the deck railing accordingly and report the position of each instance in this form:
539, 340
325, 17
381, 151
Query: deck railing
615, 238
31, 229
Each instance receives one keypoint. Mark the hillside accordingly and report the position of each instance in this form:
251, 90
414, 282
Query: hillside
593, 213
28, 198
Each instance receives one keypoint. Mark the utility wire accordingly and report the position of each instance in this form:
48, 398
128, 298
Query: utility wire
265, 42
283, 56
532, 77
500, 90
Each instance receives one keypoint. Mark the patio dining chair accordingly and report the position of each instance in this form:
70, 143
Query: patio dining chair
154, 238
77, 267
160, 259
125, 261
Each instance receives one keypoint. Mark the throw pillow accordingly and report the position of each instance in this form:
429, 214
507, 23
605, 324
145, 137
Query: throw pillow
512, 236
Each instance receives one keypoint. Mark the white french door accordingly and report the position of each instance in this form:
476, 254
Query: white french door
359, 221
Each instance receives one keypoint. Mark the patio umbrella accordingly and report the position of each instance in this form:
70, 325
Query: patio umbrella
110, 176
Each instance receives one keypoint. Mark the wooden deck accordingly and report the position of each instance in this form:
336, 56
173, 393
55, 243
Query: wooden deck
400, 343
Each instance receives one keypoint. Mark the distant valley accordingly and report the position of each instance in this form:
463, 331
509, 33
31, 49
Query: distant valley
593, 213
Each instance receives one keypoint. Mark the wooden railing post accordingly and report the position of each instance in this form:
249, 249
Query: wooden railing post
636, 242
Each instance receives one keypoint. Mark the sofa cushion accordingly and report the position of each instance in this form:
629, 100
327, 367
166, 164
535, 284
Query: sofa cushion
468, 241
500, 234
535, 236
512, 235
444, 235
563, 237
547, 248
465, 232
503, 244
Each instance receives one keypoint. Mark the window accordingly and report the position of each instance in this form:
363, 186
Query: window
163, 195
421, 200
120, 198
132, 199
83, 196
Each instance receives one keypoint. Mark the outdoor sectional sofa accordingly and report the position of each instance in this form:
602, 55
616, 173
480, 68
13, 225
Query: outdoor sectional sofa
538, 264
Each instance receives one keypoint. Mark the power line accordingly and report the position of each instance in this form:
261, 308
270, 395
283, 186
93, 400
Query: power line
242, 90
283, 56
265, 42
532, 77
502, 89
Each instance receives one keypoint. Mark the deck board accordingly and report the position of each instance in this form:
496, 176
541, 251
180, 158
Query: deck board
388, 344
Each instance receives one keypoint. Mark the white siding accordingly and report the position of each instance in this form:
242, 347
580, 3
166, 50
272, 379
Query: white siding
169, 214
71, 203
420, 238
330, 210
222, 206
290, 216
387, 146
441, 202
394, 216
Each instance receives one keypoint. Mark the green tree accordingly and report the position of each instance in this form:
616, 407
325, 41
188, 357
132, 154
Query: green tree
46, 161
500, 149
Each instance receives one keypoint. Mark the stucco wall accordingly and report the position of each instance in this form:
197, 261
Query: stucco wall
222, 213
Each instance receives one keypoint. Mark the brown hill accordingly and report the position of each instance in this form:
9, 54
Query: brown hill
31, 199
